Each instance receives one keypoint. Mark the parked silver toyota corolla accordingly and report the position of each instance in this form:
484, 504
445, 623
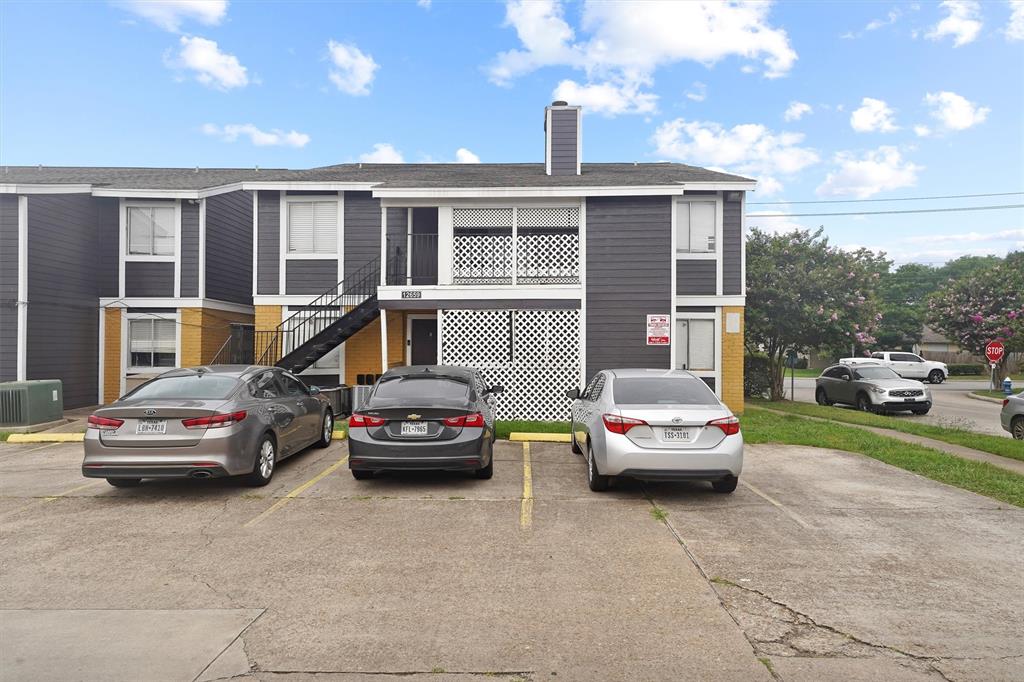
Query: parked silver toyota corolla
223, 420
659, 425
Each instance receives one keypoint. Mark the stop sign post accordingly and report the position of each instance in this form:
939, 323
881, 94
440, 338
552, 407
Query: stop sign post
994, 351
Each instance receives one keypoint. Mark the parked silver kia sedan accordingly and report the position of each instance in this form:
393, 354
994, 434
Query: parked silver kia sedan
657, 425
871, 388
1012, 415
206, 422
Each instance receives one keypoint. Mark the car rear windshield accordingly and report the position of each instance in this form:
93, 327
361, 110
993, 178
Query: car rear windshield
876, 373
662, 391
421, 387
194, 387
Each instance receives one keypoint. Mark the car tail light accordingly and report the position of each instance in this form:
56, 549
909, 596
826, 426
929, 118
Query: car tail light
729, 425
364, 420
104, 423
1005, 401
475, 419
214, 421
617, 424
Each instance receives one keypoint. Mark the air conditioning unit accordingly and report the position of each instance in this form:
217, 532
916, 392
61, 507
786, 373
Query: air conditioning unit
359, 396
24, 403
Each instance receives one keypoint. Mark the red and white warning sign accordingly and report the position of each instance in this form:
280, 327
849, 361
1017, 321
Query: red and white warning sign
658, 330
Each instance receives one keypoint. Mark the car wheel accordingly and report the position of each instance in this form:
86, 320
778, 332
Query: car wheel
726, 485
936, 376
595, 480
266, 462
822, 398
921, 411
487, 472
326, 430
864, 403
1017, 428
124, 482
362, 474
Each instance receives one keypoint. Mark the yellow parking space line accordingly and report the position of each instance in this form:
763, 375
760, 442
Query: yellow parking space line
298, 491
526, 504
46, 438
540, 437
51, 498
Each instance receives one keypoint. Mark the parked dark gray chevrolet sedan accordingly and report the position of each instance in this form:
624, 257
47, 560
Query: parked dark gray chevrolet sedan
424, 417
222, 420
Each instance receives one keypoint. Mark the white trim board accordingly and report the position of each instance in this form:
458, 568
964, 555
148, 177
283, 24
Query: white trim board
561, 191
714, 301
22, 303
155, 302
457, 293
35, 188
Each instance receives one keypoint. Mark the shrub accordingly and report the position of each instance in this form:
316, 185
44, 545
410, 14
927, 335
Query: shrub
967, 370
757, 375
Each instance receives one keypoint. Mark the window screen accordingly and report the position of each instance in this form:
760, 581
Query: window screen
695, 226
312, 227
152, 343
695, 344
151, 230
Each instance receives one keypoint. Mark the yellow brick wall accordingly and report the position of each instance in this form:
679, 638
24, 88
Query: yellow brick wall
267, 318
111, 354
732, 362
362, 351
204, 331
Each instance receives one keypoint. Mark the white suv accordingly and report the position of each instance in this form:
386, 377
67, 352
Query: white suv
907, 365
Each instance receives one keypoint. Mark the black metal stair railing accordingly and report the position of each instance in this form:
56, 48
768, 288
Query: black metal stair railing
322, 325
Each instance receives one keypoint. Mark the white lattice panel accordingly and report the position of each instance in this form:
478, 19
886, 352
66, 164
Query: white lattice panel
483, 258
548, 217
482, 217
534, 354
549, 258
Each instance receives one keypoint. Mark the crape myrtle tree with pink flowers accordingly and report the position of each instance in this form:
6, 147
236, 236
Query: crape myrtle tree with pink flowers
982, 306
803, 294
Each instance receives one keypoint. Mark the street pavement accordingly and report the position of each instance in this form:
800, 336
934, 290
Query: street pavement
822, 565
951, 406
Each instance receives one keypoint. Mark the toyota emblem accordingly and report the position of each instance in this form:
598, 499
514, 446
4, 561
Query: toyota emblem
677, 420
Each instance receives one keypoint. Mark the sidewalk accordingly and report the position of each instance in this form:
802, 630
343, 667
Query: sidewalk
1014, 465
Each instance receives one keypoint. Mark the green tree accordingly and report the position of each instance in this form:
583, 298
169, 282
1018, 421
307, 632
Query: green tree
903, 294
803, 293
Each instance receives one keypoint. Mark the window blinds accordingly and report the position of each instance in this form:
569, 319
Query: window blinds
312, 227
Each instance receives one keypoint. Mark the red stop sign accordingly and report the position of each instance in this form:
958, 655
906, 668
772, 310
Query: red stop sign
994, 351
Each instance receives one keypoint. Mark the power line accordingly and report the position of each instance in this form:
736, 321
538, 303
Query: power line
860, 201
916, 210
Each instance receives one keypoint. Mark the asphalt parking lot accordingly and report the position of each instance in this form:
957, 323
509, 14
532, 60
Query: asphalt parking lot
822, 565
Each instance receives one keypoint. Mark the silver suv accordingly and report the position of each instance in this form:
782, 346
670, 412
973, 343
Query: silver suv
871, 388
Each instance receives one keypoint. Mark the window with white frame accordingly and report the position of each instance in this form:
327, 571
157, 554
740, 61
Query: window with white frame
696, 226
152, 343
151, 230
695, 344
313, 227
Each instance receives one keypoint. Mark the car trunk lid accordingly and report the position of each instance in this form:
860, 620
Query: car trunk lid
409, 421
675, 427
156, 423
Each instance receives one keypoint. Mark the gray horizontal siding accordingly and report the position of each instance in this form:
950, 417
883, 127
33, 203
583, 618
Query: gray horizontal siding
362, 230
108, 232
696, 277
482, 304
63, 317
229, 247
629, 264
732, 247
189, 249
148, 279
310, 276
268, 243
564, 141
8, 287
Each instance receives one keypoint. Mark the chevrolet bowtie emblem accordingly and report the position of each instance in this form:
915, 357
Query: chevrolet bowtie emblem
413, 416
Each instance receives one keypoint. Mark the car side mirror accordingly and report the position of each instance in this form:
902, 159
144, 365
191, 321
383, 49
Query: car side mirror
497, 389
314, 390
573, 394
847, 377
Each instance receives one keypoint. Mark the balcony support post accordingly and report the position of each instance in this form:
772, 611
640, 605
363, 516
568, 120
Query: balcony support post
383, 341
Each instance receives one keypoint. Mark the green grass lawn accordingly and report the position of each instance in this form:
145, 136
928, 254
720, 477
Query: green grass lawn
503, 428
988, 393
995, 445
978, 477
1015, 378
3, 436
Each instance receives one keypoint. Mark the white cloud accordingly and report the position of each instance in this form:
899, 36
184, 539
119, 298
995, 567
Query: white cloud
210, 66
608, 98
796, 110
699, 93
626, 42
260, 138
354, 70
955, 112
748, 148
463, 155
425, 4
773, 221
999, 236
874, 115
874, 171
922, 130
890, 19
962, 22
1015, 27
383, 152
768, 186
171, 14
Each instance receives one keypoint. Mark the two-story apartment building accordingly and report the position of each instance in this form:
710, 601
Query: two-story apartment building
539, 274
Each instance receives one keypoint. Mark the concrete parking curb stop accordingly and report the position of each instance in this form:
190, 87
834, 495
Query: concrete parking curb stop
540, 437
46, 438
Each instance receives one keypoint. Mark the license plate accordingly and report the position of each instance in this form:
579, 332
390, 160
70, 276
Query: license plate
148, 426
676, 433
414, 428
910, 400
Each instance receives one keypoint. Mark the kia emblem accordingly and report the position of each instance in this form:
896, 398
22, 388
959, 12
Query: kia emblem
149, 413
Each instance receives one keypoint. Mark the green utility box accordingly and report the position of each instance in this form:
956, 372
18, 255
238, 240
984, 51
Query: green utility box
24, 403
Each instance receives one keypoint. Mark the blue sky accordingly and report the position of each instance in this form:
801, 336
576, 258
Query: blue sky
884, 100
